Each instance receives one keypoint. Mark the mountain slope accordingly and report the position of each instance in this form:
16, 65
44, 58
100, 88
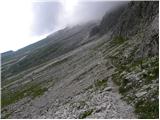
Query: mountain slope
108, 70
46, 49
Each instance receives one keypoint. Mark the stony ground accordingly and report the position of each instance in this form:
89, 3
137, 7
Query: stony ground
99, 104
80, 86
81, 83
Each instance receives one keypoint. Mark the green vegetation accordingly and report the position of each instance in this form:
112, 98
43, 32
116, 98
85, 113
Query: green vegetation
132, 74
37, 57
33, 91
152, 66
85, 114
123, 88
118, 40
7, 56
147, 109
13, 79
37, 91
100, 84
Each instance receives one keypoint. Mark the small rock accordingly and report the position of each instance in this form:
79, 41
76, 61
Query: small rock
145, 87
99, 109
25, 94
123, 73
140, 94
108, 89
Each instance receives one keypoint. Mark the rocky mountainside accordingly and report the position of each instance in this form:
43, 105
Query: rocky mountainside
51, 47
105, 70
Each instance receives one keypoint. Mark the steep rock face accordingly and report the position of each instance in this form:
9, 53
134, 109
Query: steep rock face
111, 19
136, 16
136, 36
129, 19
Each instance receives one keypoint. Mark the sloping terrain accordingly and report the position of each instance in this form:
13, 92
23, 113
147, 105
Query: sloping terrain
44, 50
108, 70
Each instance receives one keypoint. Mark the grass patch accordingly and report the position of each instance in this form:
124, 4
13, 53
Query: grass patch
147, 109
100, 84
121, 82
153, 70
37, 91
147, 70
118, 40
150, 65
85, 114
9, 97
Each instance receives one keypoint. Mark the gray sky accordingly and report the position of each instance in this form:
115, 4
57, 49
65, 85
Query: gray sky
26, 21
52, 15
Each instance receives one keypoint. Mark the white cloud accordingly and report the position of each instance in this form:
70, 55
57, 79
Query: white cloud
15, 23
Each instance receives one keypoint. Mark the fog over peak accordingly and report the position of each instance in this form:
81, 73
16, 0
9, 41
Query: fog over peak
26, 21
57, 14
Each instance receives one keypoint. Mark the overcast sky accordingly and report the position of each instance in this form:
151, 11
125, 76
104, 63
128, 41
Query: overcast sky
26, 21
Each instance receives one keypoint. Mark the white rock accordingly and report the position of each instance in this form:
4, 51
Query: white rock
108, 89
140, 94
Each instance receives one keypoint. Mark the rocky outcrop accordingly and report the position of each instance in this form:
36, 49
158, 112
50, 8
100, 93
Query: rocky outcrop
136, 17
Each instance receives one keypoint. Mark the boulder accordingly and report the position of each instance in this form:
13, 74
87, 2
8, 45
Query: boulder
140, 94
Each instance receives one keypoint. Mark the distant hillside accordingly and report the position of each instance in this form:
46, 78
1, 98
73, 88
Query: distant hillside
51, 47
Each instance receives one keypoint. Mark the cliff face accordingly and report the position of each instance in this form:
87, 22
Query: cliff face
135, 32
108, 70
129, 18
136, 16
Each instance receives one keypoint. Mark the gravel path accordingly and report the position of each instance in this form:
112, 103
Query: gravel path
102, 105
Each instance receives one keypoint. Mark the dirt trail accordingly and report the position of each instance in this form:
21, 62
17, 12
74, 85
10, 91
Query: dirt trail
103, 104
